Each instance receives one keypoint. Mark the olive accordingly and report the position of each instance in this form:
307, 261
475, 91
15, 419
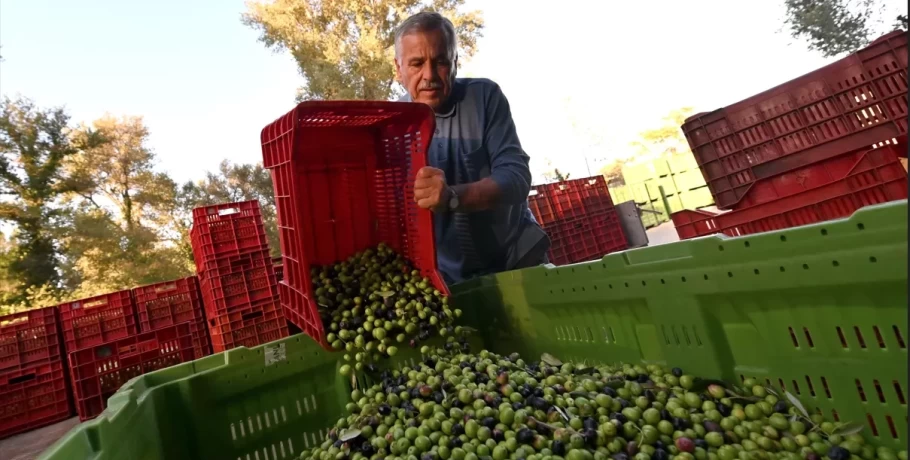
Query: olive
459, 405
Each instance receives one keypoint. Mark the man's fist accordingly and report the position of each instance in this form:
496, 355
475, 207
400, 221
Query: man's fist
430, 189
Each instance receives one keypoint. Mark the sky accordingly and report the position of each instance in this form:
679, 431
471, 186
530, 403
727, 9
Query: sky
206, 87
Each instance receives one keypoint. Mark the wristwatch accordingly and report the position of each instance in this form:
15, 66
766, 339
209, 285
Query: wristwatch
452, 198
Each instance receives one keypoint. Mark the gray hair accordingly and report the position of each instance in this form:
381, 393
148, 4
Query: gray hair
427, 21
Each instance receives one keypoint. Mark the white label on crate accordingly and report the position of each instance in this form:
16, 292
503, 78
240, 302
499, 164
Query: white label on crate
275, 353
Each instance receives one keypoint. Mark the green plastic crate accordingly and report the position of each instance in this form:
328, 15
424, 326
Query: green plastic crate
698, 198
682, 162
621, 194
820, 310
640, 193
689, 180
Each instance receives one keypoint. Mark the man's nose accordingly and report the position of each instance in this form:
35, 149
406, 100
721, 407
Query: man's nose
429, 72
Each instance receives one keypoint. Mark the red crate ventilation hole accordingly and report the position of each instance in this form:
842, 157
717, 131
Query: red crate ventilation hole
853, 103
873, 177
343, 173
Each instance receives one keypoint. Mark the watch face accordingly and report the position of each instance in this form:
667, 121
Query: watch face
453, 202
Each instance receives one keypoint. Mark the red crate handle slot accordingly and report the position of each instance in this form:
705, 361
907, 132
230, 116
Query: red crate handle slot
166, 287
92, 304
20, 318
251, 315
21, 379
228, 211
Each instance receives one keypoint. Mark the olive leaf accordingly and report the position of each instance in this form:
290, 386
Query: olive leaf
562, 413
699, 384
798, 405
353, 381
349, 434
847, 429
550, 359
771, 390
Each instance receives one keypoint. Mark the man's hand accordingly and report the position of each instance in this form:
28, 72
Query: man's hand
430, 189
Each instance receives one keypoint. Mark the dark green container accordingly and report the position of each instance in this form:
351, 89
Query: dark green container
818, 310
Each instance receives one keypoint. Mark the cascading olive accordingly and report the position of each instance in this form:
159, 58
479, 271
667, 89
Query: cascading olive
375, 301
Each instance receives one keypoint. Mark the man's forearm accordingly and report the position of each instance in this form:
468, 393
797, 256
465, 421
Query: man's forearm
477, 196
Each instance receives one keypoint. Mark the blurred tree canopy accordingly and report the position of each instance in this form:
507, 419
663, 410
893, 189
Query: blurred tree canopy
836, 27
90, 213
344, 48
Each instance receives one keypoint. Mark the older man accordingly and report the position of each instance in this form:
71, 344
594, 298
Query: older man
478, 182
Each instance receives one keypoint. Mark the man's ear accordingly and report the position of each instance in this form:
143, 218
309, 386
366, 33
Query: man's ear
398, 70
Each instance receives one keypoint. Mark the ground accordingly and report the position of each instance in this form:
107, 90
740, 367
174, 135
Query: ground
27, 446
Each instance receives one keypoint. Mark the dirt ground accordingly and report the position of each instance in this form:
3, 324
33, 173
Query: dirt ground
27, 446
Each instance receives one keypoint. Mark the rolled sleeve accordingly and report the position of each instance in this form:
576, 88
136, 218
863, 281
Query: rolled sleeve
508, 162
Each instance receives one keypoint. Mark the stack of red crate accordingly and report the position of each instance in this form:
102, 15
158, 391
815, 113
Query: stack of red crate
236, 276
169, 303
579, 217
813, 149
33, 390
99, 371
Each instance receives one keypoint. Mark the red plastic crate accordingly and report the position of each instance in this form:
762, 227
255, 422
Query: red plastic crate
174, 302
96, 320
32, 397
878, 177
226, 293
571, 199
259, 323
853, 103
98, 372
29, 338
343, 173
808, 177
228, 229
581, 240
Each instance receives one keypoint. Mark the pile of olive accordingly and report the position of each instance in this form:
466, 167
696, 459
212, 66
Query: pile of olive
456, 405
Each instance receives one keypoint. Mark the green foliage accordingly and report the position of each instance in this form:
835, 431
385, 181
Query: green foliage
345, 47
118, 235
34, 144
836, 27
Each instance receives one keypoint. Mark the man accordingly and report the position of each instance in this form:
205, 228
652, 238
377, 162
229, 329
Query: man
478, 180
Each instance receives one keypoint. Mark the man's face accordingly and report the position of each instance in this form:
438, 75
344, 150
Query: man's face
425, 68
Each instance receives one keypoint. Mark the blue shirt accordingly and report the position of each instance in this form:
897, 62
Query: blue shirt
475, 138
